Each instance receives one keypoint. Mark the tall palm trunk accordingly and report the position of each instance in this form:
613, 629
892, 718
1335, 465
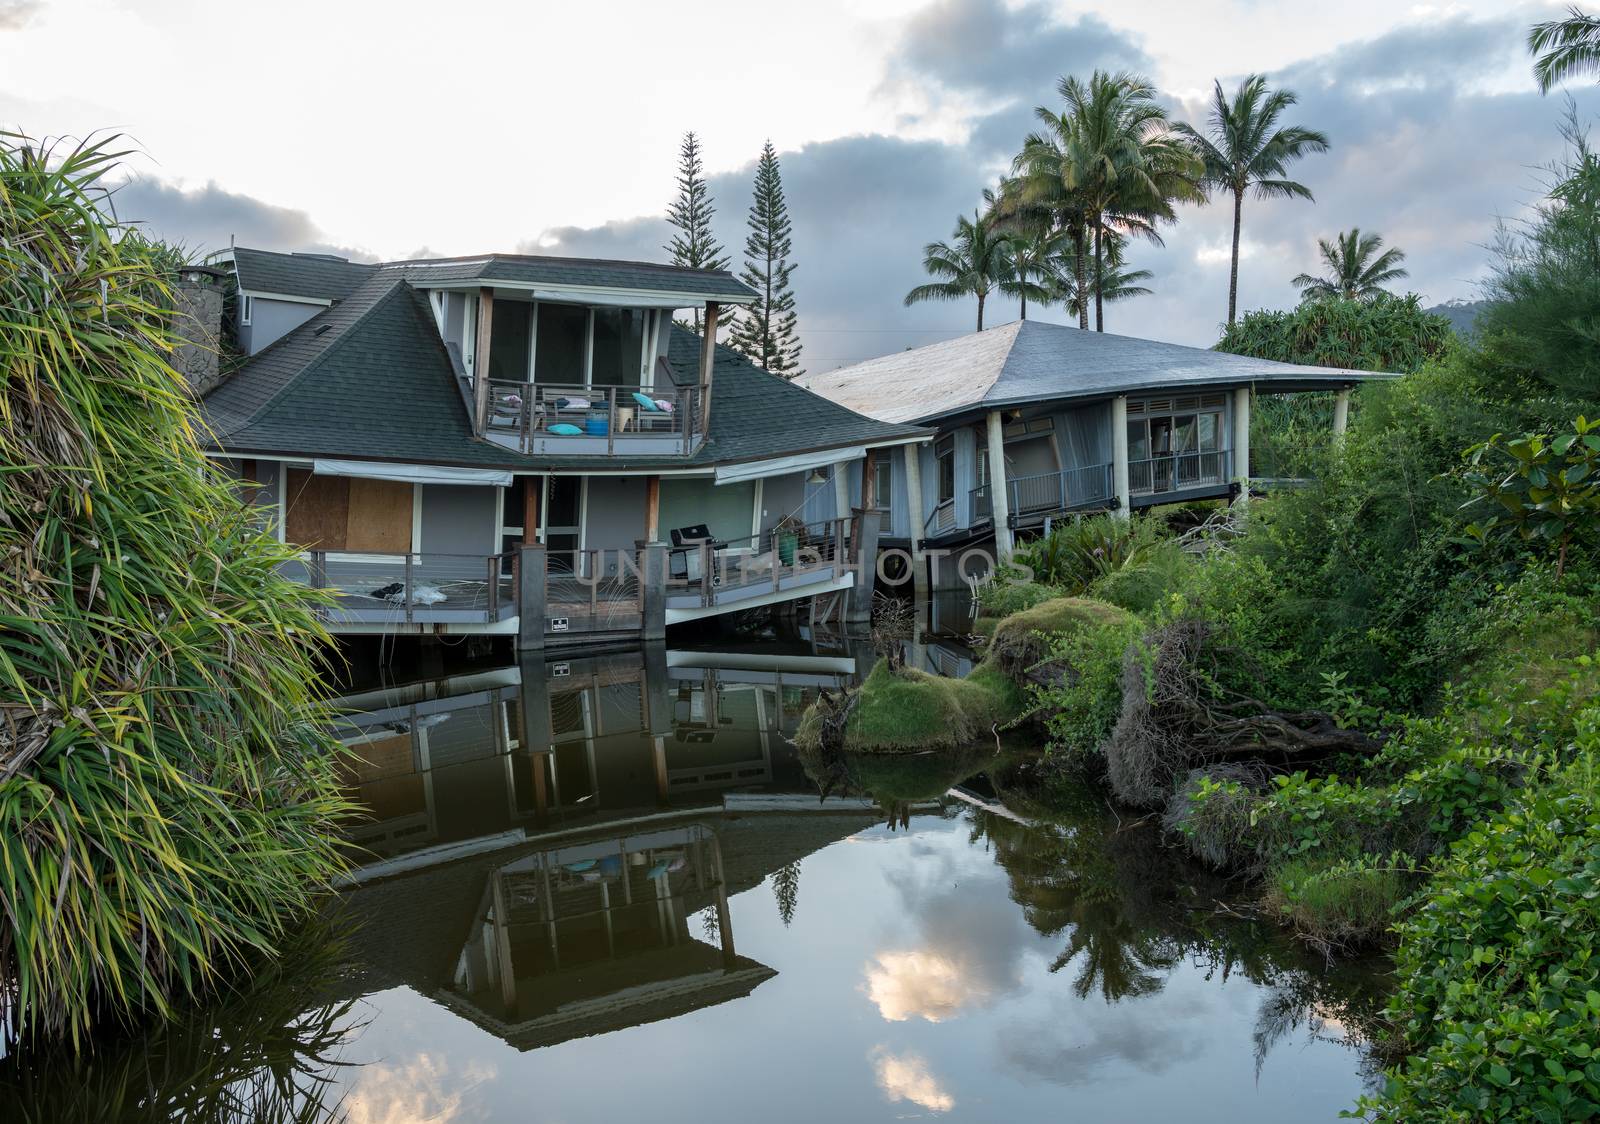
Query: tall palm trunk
1233, 271
1099, 272
981, 296
1024, 296
1083, 278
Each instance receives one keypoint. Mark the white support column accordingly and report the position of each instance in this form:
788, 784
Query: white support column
1119, 457
1241, 441
1341, 412
841, 490
999, 500
919, 573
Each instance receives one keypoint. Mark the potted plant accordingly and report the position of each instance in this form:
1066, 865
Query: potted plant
786, 534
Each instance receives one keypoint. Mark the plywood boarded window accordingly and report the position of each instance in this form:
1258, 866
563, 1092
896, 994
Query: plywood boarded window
344, 513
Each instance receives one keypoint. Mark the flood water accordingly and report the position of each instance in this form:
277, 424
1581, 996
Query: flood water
609, 889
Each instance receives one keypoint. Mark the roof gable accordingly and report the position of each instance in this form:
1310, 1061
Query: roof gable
311, 276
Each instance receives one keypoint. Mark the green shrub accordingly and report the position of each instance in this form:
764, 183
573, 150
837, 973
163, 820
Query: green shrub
166, 791
1342, 904
900, 710
1006, 593
1082, 705
1023, 639
1499, 974
1077, 552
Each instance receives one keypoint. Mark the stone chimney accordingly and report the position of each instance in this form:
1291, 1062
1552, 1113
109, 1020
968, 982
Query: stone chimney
197, 320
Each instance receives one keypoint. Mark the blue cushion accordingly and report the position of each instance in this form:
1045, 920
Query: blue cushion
646, 402
566, 429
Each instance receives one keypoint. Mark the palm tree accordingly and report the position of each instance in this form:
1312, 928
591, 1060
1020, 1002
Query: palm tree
1242, 149
1564, 48
1045, 189
1111, 280
1117, 159
1035, 246
977, 262
1356, 270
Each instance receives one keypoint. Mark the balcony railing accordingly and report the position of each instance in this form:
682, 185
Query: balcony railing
941, 519
554, 419
1063, 490
1176, 472
373, 588
779, 559
979, 504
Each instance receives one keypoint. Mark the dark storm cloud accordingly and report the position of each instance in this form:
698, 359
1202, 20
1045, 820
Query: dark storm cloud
207, 218
984, 47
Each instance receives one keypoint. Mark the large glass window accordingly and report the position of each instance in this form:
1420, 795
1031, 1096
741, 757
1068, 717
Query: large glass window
619, 335
1175, 443
559, 346
945, 457
508, 340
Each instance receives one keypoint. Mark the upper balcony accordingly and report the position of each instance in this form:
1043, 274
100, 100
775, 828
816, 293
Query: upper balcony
559, 369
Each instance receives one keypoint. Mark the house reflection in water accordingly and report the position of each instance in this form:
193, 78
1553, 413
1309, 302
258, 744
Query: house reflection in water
542, 747
594, 936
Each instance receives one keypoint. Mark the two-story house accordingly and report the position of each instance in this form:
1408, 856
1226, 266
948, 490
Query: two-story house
415, 425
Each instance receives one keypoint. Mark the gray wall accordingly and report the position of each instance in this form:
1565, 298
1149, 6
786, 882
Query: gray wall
615, 517
459, 519
271, 320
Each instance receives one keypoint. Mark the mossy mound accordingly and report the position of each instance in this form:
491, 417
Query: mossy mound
905, 710
1023, 639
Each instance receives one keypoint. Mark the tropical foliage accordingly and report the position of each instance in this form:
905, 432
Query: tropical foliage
974, 264
1244, 149
1386, 333
1111, 161
1355, 269
166, 790
1565, 48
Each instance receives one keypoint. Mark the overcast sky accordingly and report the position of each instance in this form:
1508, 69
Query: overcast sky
393, 128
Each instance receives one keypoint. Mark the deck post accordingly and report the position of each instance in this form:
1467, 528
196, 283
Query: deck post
708, 357
999, 497
530, 598
919, 569
1120, 486
1241, 441
480, 361
657, 689
841, 490
652, 508
1341, 412
652, 590
864, 557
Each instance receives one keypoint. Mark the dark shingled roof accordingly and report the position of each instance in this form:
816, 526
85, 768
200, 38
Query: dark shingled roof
299, 275
1032, 361
588, 272
370, 379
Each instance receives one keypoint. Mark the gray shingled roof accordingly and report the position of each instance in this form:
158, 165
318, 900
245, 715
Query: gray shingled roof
369, 378
587, 272
299, 275
1031, 361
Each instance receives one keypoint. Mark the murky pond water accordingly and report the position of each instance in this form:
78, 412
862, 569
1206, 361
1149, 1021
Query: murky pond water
608, 889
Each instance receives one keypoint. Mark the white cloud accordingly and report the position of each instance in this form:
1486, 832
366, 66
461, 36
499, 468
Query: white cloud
905, 1077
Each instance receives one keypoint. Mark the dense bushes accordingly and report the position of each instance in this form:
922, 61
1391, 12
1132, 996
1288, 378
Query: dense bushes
1499, 973
165, 790
1386, 333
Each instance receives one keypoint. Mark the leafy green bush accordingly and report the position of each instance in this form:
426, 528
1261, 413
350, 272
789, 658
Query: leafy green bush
1007, 592
1078, 552
166, 791
1024, 639
1499, 972
1387, 333
1082, 705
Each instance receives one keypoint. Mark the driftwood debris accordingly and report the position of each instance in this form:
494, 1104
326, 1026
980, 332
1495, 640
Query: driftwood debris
1177, 715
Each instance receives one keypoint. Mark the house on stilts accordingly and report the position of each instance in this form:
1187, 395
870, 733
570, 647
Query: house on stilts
528, 446
1035, 421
